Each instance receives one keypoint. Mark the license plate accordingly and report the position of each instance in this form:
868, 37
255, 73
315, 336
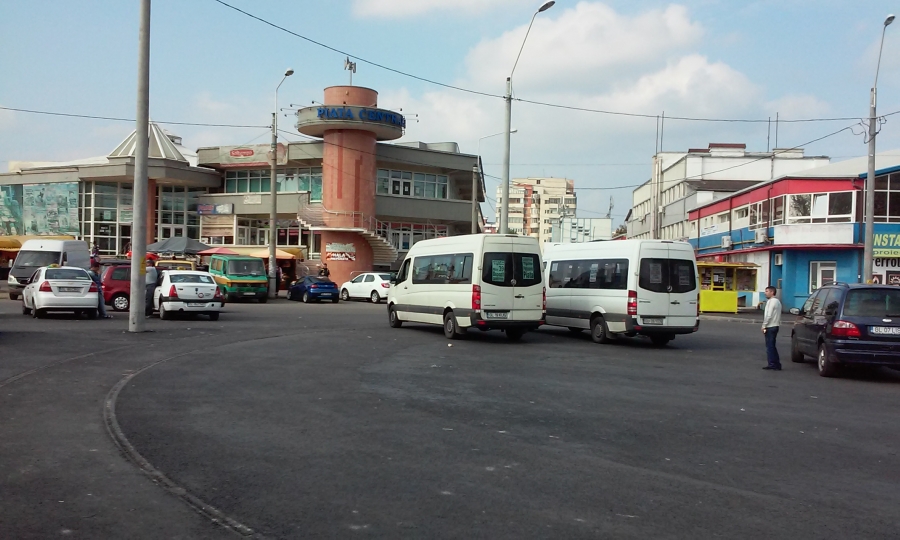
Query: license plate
325, 294
496, 315
196, 304
885, 330
249, 293
70, 289
652, 320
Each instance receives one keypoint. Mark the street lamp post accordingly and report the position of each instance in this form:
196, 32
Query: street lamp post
868, 246
474, 198
273, 210
504, 207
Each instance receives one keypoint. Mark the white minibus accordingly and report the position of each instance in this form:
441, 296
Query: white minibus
484, 281
624, 287
37, 253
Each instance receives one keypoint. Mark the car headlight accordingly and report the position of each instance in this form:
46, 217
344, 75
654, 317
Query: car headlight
12, 280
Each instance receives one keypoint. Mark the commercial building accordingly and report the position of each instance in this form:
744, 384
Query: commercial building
572, 230
536, 204
803, 230
348, 199
683, 180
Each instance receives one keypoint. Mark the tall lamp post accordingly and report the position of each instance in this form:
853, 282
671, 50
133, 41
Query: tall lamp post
475, 181
504, 207
273, 210
868, 247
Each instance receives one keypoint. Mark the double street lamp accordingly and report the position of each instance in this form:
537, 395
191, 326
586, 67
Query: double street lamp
868, 246
273, 210
504, 207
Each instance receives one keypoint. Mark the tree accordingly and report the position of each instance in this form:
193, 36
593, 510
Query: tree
621, 229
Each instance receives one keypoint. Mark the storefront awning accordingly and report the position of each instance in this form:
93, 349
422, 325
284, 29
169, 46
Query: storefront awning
8, 243
710, 264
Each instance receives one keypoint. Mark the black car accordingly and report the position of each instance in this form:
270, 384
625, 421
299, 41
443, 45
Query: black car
843, 324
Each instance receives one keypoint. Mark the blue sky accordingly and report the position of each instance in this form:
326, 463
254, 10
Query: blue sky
703, 58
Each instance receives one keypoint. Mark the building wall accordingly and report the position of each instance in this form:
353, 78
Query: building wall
795, 278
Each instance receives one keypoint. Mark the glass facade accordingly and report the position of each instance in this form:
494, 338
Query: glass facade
176, 212
411, 184
291, 180
106, 213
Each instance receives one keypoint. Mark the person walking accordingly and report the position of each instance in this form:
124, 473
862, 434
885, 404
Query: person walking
150, 281
324, 271
101, 305
771, 324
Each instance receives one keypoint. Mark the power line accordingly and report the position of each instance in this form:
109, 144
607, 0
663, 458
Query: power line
533, 102
92, 117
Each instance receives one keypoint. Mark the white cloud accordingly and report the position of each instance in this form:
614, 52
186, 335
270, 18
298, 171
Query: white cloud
409, 8
795, 106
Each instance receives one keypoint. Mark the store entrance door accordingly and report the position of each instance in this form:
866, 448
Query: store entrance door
171, 231
124, 238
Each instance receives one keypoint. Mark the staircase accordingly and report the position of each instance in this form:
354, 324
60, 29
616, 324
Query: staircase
315, 217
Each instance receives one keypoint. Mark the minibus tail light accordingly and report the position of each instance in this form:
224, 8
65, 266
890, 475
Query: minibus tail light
476, 298
632, 302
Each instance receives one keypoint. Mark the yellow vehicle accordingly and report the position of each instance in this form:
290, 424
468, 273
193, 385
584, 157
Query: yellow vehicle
240, 277
176, 264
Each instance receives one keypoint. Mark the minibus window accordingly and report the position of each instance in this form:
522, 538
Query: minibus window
500, 268
667, 275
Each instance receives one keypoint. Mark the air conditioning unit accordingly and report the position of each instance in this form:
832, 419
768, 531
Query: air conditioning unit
727, 242
778, 259
761, 236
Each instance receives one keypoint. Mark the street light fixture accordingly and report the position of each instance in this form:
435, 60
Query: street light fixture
868, 246
504, 207
273, 210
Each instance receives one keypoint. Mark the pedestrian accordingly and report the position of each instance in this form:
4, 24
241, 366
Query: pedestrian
150, 281
771, 324
101, 304
278, 277
324, 271
95, 253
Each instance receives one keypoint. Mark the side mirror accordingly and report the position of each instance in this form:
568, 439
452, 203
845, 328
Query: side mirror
794, 311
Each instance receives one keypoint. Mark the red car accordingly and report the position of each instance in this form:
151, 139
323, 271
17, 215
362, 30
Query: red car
117, 286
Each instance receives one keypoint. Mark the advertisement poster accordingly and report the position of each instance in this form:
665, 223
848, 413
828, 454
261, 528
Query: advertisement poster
11, 211
498, 271
340, 252
50, 209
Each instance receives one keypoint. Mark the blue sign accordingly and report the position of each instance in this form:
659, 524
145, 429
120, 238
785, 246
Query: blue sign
361, 113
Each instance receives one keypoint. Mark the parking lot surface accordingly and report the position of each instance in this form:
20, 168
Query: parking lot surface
293, 420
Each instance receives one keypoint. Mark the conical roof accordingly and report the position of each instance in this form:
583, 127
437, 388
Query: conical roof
161, 147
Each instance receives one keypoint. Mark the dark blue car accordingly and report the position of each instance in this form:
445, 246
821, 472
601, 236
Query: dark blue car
313, 289
842, 324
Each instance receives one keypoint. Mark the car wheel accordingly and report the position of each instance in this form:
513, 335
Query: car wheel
290, 295
393, 318
345, 295
599, 332
13, 296
214, 316
575, 330
37, 313
163, 313
25, 309
306, 298
660, 341
514, 334
796, 355
374, 298
121, 302
450, 329
827, 368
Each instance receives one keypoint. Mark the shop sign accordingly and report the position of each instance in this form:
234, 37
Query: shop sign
886, 270
126, 214
886, 245
340, 252
706, 231
215, 209
361, 113
217, 225
253, 199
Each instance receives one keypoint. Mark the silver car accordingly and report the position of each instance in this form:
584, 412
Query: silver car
62, 288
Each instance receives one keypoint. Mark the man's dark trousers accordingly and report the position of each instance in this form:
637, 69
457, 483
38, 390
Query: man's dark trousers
771, 351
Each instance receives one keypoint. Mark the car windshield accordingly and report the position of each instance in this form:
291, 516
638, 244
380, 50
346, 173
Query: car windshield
875, 302
190, 278
36, 259
66, 273
246, 267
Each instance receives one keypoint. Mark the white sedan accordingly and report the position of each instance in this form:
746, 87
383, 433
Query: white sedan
62, 288
187, 291
371, 285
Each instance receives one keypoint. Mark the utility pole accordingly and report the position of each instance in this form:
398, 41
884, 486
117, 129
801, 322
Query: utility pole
475, 199
273, 208
138, 294
504, 204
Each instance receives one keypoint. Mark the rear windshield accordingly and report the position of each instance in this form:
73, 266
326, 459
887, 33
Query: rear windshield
511, 269
66, 273
174, 265
385, 277
36, 259
246, 267
667, 275
190, 278
121, 273
872, 303
319, 280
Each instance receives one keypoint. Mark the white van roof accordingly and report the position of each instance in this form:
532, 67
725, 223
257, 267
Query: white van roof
632, 245
38, 244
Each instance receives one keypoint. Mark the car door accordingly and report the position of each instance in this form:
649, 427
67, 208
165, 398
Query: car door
819, 319
682, 287
497, 276
400, 288
803, 328
653, 284
367, 285
528, 285
353, 288
28, 291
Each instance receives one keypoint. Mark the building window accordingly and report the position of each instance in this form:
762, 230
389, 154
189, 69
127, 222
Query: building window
741, 213
408, 184
778, 210
822, 208
290, 180
821, 273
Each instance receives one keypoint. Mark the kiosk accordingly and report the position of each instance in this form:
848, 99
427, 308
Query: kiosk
721, 283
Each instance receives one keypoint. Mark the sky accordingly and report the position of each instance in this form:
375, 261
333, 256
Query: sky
707, 59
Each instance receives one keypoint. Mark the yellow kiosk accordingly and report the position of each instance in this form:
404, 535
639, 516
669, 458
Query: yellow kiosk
722, 282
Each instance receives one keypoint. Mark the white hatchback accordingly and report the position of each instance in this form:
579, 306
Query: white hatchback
187, 291
62, 288
372, 285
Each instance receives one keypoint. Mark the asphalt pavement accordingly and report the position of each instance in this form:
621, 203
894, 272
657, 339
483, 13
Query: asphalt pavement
287, 420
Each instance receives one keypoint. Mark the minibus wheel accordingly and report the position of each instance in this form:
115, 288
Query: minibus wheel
599, 332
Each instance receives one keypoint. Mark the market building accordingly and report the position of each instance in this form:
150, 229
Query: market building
799, 231
349, 199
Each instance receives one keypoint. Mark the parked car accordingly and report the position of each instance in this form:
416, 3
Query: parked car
117, 286
372, 285
64, 288
186, 291
175, 264
313, 289
39, 253
843, 324
240, 277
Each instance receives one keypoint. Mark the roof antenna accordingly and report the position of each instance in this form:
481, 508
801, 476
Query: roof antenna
351, 67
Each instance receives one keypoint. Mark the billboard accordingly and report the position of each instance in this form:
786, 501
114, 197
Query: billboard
50, 209
11, 211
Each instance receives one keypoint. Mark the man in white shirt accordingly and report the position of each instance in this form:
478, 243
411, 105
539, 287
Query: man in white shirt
771, 324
